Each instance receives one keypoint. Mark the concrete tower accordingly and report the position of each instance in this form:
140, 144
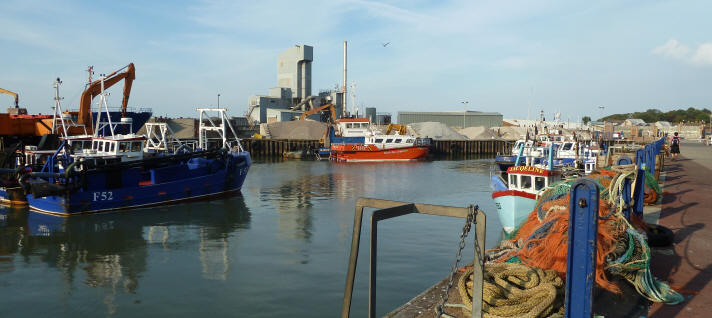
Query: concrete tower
294, 71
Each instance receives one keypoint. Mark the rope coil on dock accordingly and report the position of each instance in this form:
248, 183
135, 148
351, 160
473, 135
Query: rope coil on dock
515, 290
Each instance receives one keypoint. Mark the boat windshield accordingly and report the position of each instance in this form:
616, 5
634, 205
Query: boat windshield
526, 182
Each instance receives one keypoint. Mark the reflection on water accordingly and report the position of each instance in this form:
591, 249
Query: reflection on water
110, 251
285, 255
474, 167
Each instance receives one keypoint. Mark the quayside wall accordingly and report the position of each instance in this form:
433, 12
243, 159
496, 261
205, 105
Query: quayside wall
277, 147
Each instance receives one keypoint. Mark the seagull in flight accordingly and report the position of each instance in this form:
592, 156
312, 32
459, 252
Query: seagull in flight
385, 44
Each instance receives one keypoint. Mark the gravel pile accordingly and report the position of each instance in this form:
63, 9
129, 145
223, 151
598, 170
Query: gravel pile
512, 133
479, 133
297, 129
435, 130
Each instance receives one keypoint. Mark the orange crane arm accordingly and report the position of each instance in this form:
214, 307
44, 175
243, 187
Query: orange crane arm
94, 89
319, 109
11, 94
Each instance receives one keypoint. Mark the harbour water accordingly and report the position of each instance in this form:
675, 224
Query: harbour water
278, 250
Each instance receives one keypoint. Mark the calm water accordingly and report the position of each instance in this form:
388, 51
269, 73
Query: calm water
280, 249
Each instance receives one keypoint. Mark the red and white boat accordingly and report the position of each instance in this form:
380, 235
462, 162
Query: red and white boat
376, 146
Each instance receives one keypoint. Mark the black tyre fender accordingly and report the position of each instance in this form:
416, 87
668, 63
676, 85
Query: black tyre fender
659, 236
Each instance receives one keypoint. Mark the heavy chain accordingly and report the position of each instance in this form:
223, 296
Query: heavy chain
465, 231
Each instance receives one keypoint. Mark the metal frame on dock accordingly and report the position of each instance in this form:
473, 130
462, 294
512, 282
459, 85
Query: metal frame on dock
390, 209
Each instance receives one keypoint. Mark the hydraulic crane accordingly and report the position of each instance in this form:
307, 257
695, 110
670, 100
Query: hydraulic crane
329, 107
4, 91
94, 89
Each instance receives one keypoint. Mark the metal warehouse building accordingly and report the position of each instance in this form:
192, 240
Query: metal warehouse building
452, 119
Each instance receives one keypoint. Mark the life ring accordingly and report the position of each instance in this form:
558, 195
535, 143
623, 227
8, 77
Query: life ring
659, 236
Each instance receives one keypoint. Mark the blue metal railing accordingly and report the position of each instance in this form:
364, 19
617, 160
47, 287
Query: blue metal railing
581, 260
583, 228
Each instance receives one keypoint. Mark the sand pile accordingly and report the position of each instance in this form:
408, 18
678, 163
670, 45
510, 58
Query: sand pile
435, 130
297, 129
479, 133
512, 133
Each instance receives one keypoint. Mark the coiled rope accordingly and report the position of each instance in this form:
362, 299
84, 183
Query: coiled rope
515, 290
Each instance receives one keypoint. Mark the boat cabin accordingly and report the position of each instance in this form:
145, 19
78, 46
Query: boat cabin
567, 150
392, 141
353, 127
528, 144
530, 179
125, 147
545, 140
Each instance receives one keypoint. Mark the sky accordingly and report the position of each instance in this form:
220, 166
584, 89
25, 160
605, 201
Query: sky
579, 58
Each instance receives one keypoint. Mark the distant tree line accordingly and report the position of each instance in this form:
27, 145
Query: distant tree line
674, 116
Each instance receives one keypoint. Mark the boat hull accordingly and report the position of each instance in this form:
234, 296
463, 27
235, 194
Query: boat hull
362, 153
513, 208
181, 187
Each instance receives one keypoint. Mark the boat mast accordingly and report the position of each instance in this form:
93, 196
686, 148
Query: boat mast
102, 103
58, 109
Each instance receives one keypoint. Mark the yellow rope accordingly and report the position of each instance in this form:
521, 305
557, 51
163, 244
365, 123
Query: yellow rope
515, 290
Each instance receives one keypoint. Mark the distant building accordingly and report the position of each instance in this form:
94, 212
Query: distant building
663, 124
371, 114
634, 122
294, 90
452, 119
532, 123
382, 119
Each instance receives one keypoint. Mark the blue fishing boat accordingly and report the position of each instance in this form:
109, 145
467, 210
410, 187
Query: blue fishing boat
90, 174
91, 184
516, 197
99, 174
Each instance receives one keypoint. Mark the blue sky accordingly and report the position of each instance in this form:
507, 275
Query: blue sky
565, 56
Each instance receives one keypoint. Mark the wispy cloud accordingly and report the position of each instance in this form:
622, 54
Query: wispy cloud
703, 54
672, 48
676, 50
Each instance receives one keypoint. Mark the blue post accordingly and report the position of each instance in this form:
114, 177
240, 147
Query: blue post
581, 260
639, 157
649, 161
551, 156
520, 154
639, 192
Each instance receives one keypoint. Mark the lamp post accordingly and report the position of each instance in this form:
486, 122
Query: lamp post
464, 113
604, 122
218, 100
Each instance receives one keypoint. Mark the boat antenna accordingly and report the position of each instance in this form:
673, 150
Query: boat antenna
90, 70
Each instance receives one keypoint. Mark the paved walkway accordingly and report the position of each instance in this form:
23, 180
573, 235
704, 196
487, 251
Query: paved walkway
687, 210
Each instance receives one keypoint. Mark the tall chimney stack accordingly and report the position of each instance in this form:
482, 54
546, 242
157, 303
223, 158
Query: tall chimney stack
345, 83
